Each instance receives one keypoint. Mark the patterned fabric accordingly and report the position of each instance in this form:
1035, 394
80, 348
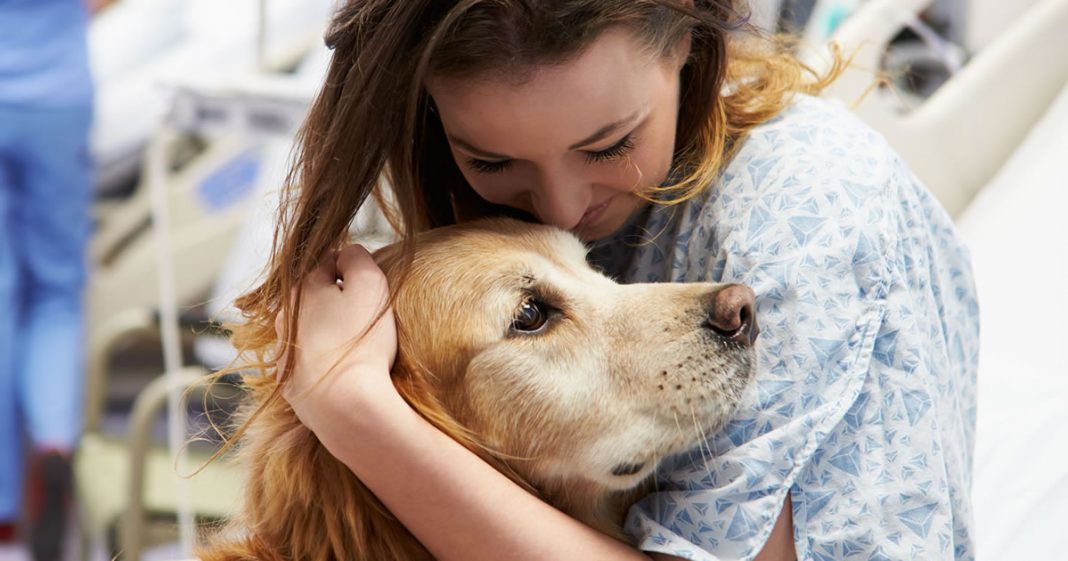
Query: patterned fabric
864, 405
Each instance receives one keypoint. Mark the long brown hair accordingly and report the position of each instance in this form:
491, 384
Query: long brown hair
373, 119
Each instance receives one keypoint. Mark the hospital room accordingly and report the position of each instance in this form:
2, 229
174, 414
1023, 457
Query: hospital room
339, 280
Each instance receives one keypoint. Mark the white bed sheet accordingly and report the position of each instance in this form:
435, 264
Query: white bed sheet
1017, 229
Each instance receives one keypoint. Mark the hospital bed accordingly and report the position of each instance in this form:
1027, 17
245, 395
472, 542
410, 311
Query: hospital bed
991, 144
207, 182
1018, 235
208, 196
134, 45
958, 138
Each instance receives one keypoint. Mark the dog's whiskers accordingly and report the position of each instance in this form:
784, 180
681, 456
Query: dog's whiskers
657, 458
678, 425
706, 451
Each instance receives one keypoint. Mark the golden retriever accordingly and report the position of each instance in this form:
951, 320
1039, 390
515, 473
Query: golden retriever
572, 385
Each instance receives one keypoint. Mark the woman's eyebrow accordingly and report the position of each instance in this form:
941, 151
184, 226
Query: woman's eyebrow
477, 152
596, 136
605, 131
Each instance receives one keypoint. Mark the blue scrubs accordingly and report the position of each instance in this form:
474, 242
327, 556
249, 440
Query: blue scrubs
45, 191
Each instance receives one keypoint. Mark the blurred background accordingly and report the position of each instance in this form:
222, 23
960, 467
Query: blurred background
194, 106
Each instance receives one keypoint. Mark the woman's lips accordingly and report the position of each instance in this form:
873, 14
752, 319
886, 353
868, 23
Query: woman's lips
593, 215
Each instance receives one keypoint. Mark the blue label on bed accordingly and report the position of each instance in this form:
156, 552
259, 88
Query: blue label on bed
230, 183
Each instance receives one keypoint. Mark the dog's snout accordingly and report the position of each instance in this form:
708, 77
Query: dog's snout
733, 314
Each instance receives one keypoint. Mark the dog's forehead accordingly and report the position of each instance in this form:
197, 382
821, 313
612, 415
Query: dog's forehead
496, 262
469, 281
505, 243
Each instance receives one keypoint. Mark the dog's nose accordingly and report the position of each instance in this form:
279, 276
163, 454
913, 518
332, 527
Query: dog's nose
733, 314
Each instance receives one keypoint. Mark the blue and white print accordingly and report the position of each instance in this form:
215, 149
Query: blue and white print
864, 405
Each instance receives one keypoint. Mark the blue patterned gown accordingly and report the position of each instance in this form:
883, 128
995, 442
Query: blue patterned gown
864, 405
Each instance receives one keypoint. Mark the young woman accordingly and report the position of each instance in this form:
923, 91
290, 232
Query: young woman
683, 148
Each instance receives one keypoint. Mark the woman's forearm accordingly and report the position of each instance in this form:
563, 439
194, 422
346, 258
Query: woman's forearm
458, 506
461, 508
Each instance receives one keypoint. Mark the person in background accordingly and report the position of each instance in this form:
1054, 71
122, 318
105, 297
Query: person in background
46, 96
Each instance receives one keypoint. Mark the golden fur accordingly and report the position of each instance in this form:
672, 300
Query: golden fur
579, 412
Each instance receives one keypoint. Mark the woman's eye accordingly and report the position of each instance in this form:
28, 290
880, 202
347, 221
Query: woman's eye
483, 166
614, 152
530, 318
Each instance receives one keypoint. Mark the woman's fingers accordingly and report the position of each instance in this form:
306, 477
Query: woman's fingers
353, 257
335, 314
321, 285
356, 266
323, 276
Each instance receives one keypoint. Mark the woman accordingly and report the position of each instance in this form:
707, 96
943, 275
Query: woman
683, 148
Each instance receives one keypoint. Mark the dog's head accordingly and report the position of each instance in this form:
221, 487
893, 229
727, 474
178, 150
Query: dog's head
569, 383
566, 374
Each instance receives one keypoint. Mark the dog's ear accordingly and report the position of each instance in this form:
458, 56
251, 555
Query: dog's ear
302, 503
417, 386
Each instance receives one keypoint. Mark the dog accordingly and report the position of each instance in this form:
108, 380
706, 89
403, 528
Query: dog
570, 384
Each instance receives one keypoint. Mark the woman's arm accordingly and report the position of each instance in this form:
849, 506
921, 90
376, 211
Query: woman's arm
461, 508
458, 506
780, 545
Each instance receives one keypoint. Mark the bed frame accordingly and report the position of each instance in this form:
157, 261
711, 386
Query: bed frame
960, 136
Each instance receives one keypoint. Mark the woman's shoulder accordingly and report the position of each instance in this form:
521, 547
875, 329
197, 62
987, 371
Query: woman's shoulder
815, 142
807, 118
811, 171
813, 187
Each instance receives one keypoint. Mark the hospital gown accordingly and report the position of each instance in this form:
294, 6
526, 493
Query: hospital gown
863, 408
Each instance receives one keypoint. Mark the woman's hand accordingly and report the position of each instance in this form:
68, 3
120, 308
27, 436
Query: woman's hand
334, 368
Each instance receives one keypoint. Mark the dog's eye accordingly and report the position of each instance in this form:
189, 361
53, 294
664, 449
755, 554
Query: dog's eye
531, 317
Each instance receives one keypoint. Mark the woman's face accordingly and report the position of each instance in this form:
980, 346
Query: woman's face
574, 143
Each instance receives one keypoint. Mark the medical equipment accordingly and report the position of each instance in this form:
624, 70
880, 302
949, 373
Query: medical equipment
184, 218
136, 44
963, 133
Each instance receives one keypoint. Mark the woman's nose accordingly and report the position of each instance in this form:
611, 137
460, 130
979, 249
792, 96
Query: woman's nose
560, 200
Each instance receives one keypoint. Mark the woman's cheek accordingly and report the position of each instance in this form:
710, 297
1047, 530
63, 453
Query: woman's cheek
497, 188
646, 168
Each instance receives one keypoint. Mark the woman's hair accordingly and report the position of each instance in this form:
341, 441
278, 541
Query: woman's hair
373, 118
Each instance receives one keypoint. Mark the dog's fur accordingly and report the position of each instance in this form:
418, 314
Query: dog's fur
579, 413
